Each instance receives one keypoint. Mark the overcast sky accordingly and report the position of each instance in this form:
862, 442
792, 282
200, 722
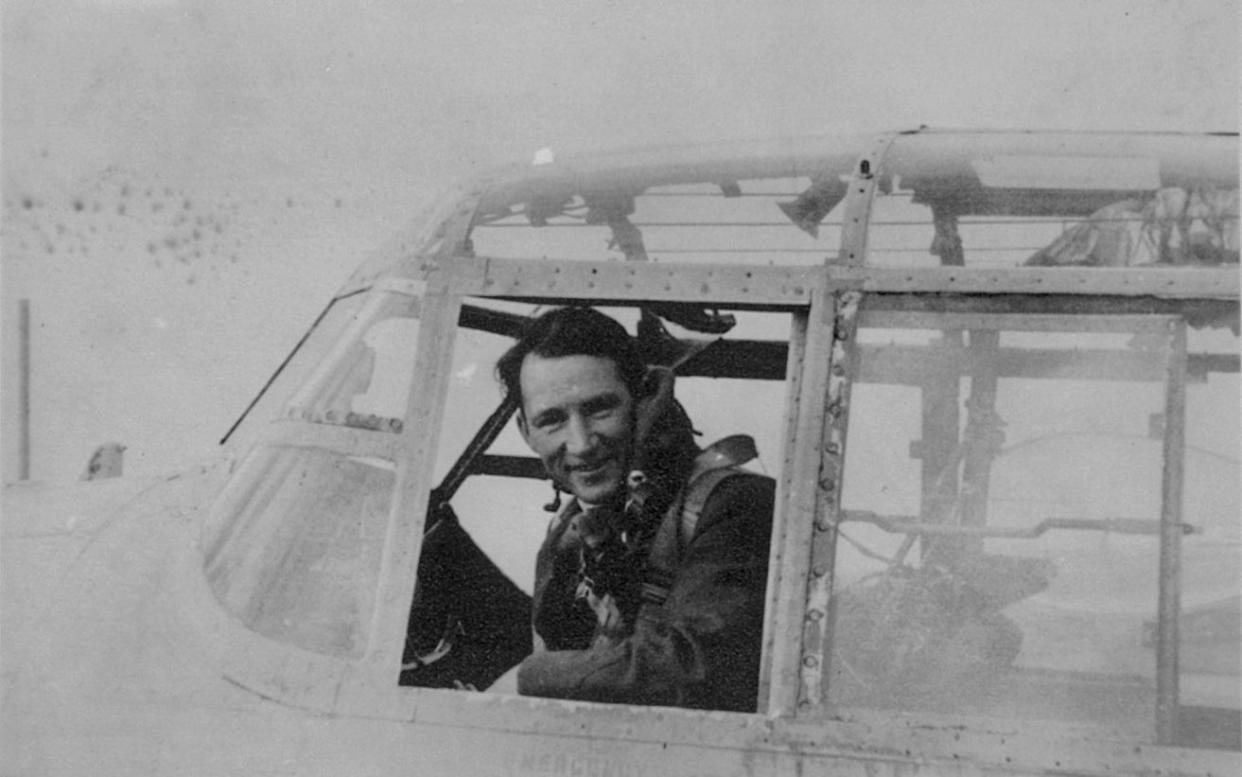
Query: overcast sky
437, 86
299, 134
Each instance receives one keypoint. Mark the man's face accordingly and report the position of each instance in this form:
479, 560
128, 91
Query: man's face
578, 417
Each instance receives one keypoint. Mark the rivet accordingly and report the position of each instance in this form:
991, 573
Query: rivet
814, 616
827, 484
820, 570
810, 662
823, 524
833, 448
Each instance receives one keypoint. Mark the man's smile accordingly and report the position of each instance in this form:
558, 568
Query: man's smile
588, 469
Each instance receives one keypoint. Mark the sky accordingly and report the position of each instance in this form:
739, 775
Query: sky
186, 182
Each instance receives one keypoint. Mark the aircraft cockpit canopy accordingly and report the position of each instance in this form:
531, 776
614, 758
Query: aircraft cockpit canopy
987, 200
995, 375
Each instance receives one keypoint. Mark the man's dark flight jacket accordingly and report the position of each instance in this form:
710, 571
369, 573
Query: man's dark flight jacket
700, 648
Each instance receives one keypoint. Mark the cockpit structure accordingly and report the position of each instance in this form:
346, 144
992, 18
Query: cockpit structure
995, 375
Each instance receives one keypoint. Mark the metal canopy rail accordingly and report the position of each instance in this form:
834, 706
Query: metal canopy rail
763, 286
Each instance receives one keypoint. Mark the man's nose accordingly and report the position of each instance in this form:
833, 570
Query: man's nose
579, 437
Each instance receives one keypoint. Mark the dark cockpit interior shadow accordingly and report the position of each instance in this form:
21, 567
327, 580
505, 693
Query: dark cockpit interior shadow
469, 623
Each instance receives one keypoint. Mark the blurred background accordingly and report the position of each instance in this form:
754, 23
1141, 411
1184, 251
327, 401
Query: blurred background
186, 182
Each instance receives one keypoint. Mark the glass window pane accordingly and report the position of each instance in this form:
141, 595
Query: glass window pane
1210, 648
364, 381
293, 547
1000, 551
752, 221
998, 205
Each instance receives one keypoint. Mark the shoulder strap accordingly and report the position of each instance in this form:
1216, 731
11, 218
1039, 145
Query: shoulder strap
679, 523
717, 462
697, 493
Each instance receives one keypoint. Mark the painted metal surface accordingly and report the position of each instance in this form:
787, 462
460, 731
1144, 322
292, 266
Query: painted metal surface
139, 695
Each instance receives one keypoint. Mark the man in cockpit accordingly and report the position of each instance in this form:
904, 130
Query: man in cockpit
650, 584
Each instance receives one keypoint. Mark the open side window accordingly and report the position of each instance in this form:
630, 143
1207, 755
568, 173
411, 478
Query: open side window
492, 502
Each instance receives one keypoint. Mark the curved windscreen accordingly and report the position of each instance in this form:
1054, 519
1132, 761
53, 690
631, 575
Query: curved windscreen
296, 555
293, 545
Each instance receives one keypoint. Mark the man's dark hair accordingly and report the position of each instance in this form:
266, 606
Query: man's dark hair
572, 331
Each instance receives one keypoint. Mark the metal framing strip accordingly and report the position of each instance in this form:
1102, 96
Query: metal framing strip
856, 221
1169, 605
1014, 322
410, 287
414, 483
755, 285
905, 524
293, 354
454, 231
744, 285
787, 587
841, 352
819, 623
795, 362
842, 363
499, 465
981, 436
409, 252
464, 466
342, 439
1163, 282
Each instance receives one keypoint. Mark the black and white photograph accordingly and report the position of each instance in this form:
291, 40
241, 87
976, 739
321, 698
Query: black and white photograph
614, 389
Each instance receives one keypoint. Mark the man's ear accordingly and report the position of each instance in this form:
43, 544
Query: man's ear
522, 426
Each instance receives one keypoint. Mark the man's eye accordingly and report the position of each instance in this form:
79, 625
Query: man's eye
546, 423
604, 408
